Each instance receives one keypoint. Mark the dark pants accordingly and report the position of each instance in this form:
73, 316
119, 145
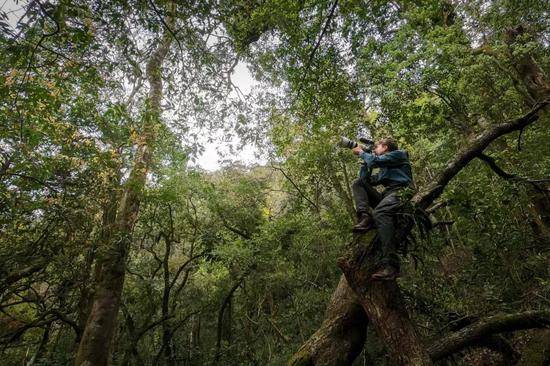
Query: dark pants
383, 207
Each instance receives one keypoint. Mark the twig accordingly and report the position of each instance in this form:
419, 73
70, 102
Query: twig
317, 44
296, 186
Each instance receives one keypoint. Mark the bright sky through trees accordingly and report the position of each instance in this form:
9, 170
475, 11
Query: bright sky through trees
211, 158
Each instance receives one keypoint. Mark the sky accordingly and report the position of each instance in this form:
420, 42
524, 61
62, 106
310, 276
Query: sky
210, 158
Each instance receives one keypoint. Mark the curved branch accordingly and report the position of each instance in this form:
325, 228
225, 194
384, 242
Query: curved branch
236, 231
501, 173
152, 325
14, 276
498, 343
478, 333
318, 42
166, 26
182, 267
480, 143
225, 303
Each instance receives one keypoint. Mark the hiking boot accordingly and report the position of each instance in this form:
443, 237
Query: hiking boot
386, 273
364, 224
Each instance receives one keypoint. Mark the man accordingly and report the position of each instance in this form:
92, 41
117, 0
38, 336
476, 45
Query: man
395, 173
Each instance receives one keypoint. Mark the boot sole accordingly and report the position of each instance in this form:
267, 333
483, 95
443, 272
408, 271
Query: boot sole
362, 230
387, 278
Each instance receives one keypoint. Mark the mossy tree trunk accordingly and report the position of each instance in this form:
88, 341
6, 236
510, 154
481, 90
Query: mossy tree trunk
98, 333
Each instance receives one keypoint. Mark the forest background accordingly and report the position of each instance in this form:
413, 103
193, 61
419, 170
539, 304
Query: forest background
114, 249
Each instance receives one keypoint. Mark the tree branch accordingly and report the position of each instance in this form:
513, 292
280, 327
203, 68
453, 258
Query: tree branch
166, 26
318, 43
182, 267
480, 331
480, 143
14, 276
304, 196
225, 303
501, 173
236, 231
493, 165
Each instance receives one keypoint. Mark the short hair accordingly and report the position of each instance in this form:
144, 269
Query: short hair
390, 142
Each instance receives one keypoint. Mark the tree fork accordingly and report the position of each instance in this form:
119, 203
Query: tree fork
383, 303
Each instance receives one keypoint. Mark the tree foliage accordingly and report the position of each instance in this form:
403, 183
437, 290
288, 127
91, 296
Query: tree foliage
238, 266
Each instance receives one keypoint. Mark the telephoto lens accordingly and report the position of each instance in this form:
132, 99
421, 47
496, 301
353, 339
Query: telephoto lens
347, 143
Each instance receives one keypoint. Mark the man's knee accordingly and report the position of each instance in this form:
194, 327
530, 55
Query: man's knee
383, 211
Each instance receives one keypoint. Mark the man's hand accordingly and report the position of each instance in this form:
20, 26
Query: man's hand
357, 150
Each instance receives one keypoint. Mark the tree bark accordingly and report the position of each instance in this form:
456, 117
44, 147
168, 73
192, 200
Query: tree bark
342, 334
383, 303
98, 333
481, 330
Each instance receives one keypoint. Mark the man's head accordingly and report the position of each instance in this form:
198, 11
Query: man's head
385, 145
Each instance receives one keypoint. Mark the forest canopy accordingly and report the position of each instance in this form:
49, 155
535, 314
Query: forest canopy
117, 249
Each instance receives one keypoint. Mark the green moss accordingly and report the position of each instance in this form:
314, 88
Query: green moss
301, 358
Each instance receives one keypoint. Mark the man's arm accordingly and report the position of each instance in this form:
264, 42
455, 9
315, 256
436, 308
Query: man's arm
389, 159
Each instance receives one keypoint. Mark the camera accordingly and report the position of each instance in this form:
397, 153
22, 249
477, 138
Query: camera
366, 144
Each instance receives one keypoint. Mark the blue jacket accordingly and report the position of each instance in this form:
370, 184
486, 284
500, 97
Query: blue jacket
395, 168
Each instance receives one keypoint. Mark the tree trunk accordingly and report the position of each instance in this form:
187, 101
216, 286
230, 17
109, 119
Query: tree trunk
95, 344
92, 270
423, 200
224, 317
379, 295
193, 338
41, 346
532, 76
383, 303
342, 335
540, 213
166, 326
